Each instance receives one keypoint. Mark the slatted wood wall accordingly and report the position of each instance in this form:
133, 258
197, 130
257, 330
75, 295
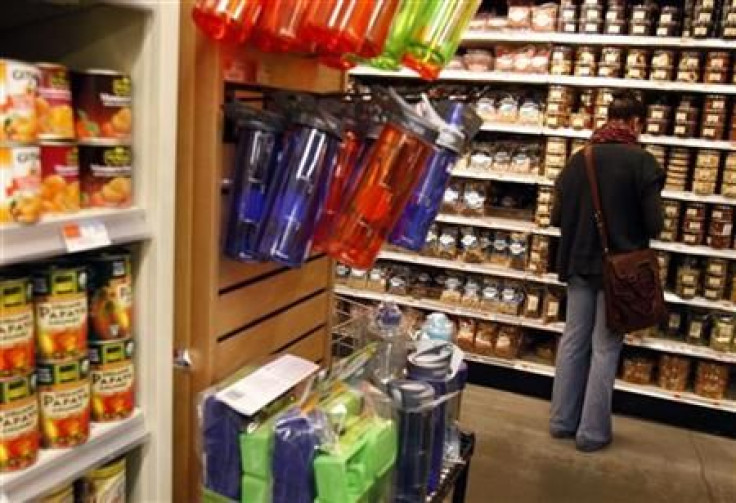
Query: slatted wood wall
229, 314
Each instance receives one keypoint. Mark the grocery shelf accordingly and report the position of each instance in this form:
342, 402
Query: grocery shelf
477, 39
505, 224
434, 305
545, 79
21, 243
715, 305
671, 141
681, 348
697, 198
703, 251
456, 265
501, 176
56, 467
640, 389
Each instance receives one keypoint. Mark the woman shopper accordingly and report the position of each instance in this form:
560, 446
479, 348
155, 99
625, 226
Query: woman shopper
630, 181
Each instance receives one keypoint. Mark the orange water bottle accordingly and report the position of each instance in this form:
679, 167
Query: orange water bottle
229, 21
278, 25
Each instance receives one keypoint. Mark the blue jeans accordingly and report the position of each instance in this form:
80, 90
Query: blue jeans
587, 360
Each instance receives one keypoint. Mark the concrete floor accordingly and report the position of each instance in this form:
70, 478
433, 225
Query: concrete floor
517, 462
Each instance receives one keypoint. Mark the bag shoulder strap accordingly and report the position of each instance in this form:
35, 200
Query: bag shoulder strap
600, 220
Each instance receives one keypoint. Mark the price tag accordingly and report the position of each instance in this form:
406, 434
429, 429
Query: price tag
85, 236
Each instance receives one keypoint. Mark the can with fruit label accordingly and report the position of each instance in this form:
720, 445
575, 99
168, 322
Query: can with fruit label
105, 484
105, 172
62, 494
19, 438
54, 103
113, 380
102, 104
17, 342
60, 297
64, 398
20, 183
18, 93
111, 296
59, 177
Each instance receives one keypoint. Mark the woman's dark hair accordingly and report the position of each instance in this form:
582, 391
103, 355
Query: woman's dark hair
626, 105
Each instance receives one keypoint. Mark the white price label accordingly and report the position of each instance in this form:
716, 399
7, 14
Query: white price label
85, 236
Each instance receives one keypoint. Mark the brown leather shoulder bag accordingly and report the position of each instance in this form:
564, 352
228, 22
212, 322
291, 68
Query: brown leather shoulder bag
633, 292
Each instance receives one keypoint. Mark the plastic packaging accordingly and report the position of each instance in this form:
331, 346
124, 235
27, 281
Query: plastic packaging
256, 168
437, 33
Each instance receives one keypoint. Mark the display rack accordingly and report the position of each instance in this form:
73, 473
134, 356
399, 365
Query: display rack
138, 38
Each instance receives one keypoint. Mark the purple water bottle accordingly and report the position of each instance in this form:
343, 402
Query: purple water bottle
256, 163
307, 161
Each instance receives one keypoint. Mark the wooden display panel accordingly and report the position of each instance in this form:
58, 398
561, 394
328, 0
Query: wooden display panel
230, 314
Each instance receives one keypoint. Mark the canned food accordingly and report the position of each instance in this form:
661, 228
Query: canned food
18, 423
54, 103
105, 484
113, 380
63, 494
59, 177
20, 183
111, 299
64, 396
17, 345
105, 176
60, 293
18, 92
102, 104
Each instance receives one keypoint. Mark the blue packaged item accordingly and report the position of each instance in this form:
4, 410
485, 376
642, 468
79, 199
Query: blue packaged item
255, 171
440, 365
411, 230
305, 169
413, 401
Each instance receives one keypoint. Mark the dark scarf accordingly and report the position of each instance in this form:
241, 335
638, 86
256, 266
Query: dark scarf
614, 133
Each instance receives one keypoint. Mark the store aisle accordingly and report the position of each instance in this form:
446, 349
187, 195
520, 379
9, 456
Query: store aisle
517, 462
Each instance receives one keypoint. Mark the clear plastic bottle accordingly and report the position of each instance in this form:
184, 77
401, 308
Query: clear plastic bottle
385, 329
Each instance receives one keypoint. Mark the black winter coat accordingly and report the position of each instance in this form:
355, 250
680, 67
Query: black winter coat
630, 182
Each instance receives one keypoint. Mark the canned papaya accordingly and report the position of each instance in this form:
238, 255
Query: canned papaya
111, 298
17, 344
60, 294
64, 397
105, 484
18, 423
113, 380
61, 494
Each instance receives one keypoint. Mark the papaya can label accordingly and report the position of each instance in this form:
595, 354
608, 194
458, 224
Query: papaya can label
20, 183
64, 397
54, 103
63, 494
59, 177
60, 295
17, 342
111, 298
106, 175
103, 105
105, 484
113, 380
18, 90
19, 438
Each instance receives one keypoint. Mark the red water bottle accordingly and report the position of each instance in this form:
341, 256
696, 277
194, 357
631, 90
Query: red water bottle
278, 25
229, 21
392, 168
337, 27
377, 30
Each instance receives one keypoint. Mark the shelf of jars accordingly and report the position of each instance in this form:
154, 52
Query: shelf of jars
56, 467
487, 77
685, 397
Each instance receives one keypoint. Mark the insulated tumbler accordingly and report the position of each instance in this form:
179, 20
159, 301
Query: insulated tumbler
401, 28
305, 169
394, 165
256, 165
228, 21
436, 35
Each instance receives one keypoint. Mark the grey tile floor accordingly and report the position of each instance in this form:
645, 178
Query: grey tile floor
517, 462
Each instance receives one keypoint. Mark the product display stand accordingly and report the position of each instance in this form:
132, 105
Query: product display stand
454, 479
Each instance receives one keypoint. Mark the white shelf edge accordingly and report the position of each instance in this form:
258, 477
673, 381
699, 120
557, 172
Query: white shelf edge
546, 79
501, 176
703, 251
56, 467
692, 197
21, 243
526, 37
558, 328
647, 390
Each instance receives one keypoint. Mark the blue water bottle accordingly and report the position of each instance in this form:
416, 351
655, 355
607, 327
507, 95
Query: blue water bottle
255, 170
305, 167
411, 230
